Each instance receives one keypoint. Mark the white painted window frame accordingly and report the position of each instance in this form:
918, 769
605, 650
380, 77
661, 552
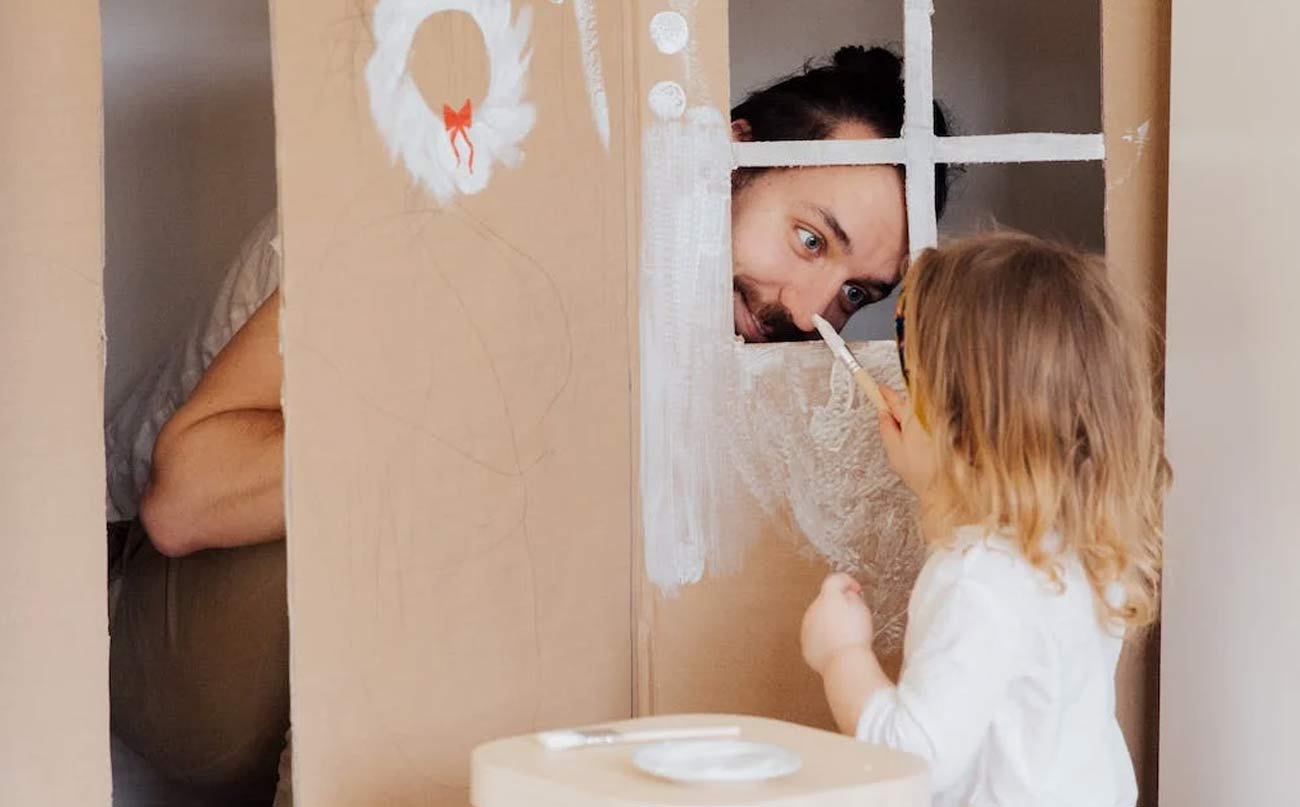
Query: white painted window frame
919, 149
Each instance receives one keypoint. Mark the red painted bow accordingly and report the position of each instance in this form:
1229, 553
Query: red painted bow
458, 123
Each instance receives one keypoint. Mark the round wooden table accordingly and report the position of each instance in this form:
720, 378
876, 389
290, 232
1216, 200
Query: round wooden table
837, 771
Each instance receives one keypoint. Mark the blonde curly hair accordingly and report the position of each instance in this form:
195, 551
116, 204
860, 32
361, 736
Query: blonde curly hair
1033, 376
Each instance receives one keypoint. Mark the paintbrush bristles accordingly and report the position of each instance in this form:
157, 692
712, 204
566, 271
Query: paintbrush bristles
860, 375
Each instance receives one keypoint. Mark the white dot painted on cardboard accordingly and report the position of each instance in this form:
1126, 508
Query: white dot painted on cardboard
670, 32
668, 100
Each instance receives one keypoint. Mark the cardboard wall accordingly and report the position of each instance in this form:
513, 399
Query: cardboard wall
458, 415
733, 643
53, 618
1135, 93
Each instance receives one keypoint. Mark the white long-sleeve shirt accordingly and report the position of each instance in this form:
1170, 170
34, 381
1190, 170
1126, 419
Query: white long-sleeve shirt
1008, 685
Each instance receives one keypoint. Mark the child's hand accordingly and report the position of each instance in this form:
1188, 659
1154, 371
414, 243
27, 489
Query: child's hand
907, 444
836, 620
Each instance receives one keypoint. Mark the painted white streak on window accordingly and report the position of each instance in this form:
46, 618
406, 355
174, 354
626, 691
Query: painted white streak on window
1008, 148
1020, 148
918, 124
686, 345
772, 154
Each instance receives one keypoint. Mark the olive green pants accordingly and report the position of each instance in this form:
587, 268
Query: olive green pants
199, 664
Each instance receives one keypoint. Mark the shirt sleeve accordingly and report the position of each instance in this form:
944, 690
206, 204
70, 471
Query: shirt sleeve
958, 667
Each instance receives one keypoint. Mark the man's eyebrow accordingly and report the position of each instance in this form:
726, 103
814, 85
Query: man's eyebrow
833, 224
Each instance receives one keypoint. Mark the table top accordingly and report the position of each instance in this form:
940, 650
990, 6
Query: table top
837, 771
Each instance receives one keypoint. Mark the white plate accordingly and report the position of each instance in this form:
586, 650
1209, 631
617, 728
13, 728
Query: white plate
716, 761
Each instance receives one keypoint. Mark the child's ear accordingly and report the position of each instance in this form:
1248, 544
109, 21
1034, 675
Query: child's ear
741, 131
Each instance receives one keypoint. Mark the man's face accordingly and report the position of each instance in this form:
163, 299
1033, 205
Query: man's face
826, 240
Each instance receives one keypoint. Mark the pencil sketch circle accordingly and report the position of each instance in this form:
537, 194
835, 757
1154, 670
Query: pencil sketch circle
668, 100
452, 152
669, 31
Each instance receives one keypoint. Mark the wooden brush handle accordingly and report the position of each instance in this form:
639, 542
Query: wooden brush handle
869, 387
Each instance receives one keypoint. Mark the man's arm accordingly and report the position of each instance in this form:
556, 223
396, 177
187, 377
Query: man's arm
218, 464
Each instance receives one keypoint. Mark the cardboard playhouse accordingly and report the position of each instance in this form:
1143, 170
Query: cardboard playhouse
510, 502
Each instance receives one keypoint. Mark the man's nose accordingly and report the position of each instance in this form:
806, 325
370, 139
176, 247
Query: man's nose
811, 293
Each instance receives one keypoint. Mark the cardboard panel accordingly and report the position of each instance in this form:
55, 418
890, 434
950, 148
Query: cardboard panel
1135, 111
53, 618
457, 410
732, 643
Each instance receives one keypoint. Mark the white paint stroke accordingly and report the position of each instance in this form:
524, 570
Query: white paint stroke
1020, 148
584, 12
697, 84
775, 154
670, 32
918, 124
1139, 135
1008, 148
685, 345
417, 135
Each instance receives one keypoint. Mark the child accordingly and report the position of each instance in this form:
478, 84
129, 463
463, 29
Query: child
1032, 440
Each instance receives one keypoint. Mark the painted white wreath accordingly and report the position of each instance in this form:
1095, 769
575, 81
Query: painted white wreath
455, 151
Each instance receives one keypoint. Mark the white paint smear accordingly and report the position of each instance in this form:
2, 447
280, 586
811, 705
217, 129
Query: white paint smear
918, 124
584, 11
1020, 148
421, 138
1139, 135
685, 344
667, 100
1009, 148
670, 32
772, 154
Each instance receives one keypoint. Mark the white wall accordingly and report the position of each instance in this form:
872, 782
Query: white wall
1230, 712
190, 163
1000, 66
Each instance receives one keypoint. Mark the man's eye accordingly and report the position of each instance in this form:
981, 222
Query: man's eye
810, 240
855, 296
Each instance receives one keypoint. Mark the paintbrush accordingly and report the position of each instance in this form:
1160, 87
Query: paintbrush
860, 375
587, 738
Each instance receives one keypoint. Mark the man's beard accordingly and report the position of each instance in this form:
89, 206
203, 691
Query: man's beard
773, 318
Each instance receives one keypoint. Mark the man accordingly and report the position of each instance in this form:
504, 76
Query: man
198, 617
